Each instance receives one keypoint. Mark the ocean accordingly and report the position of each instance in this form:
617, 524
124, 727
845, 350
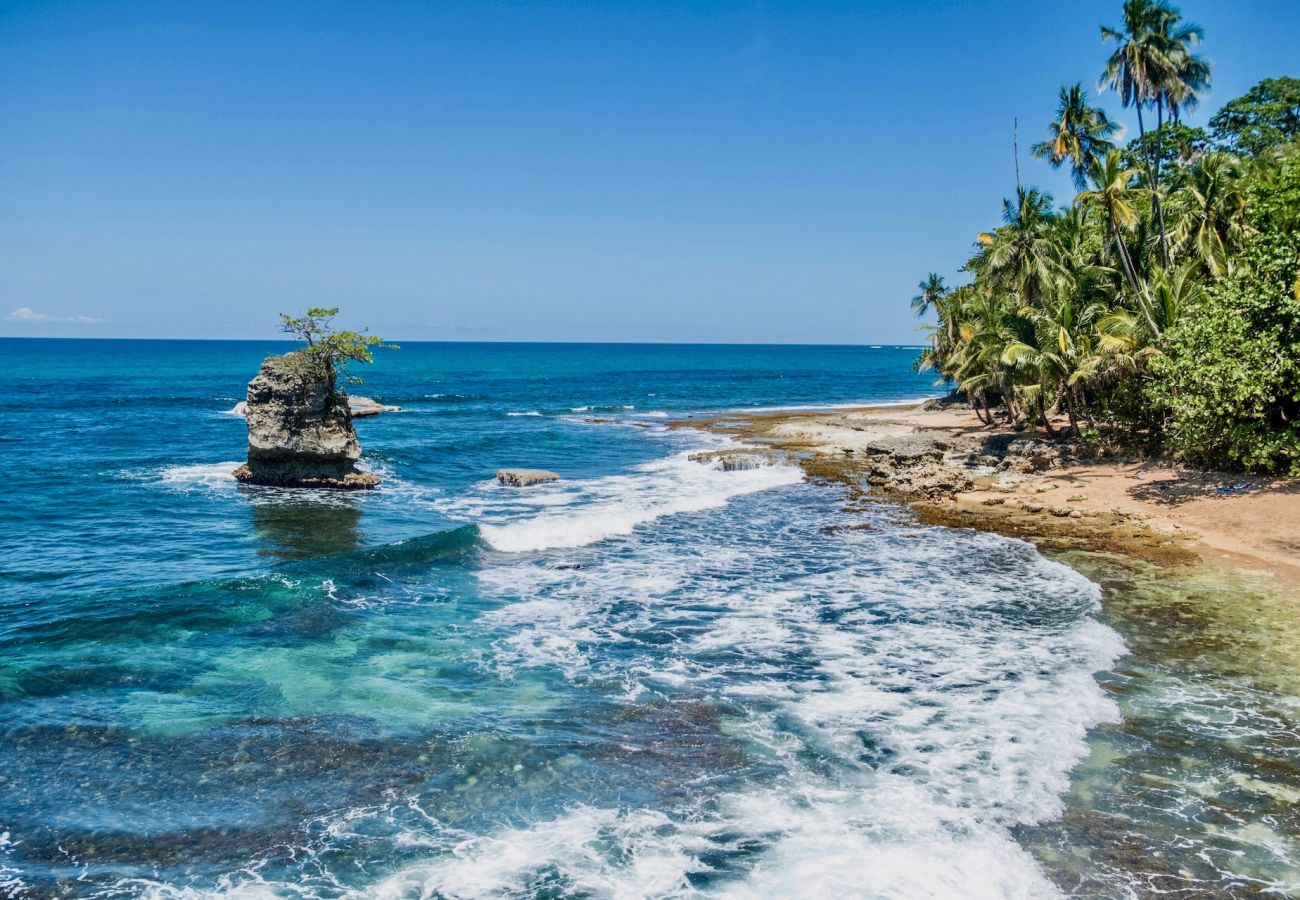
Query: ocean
653, 678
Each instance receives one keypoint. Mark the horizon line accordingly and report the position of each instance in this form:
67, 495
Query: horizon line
399, 341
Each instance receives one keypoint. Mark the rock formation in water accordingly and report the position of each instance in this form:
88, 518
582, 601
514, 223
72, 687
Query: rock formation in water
525, 477
363, 407
300, 430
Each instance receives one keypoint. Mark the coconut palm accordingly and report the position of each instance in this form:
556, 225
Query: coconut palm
1020, 255
1152, 53
932, 293
1112, 192
1188, 76
1058, 352
1212, 213
1079, 133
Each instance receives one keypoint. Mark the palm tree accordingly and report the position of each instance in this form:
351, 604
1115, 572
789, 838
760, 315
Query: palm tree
1212, 213
1020, 254
1112, 193
1147, 67
1124, 334
1058, 352
933, 292
1189, 74
1080, 133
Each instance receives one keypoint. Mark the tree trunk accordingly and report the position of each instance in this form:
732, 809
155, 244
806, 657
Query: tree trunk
1155, 187
1047, 421
1069, 411
1130, 272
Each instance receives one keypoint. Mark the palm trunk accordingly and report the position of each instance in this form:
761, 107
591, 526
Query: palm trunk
1069, 411
1155, 187
1047, 421
1130, 271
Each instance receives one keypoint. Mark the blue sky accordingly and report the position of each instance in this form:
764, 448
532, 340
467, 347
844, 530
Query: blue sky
531, 171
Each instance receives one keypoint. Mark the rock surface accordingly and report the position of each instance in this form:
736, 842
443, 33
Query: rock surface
911, 466
730, 461
300, 430
525, 477
364, 406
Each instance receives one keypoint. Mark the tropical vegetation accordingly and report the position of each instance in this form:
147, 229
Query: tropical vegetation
330, 350
1159, 308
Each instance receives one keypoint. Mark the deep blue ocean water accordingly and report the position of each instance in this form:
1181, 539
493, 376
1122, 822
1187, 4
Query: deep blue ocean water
652, 679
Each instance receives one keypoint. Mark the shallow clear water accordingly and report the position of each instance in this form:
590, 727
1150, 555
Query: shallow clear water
652, 679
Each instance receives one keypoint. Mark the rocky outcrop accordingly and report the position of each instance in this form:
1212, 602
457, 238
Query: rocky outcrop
525, 477
730, 461
300, 430
913, 466
362, 407
1028, 455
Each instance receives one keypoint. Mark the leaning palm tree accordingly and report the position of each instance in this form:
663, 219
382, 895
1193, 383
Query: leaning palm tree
1080, 133
933, 292
1211, 213
1112, 192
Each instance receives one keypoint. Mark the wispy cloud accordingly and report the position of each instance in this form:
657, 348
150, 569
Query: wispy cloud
30, 316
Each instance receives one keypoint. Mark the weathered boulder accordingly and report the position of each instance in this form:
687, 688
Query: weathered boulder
300, 430
525, 477
740, 462
913, 466
730, 461
364, 406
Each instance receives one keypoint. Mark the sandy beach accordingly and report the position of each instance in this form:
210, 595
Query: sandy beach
1140, 505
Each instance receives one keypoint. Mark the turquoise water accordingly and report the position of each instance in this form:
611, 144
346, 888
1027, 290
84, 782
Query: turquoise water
652, 679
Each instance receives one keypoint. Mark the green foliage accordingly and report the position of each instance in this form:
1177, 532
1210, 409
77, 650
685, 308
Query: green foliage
1160, 309
329, 350
1079, 134
1266, 116
1229, 379
1176, 145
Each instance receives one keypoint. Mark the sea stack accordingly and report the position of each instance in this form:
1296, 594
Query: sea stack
300, 432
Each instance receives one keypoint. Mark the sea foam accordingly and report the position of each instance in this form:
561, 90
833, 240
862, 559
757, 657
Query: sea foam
576, 514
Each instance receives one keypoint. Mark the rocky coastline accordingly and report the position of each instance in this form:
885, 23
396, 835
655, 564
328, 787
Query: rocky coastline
948, 468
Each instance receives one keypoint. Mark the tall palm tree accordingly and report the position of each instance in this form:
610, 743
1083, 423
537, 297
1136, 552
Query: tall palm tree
1080, 133
1212, 213
1020, 254
1112, 192
1188, 75
1152, 54
932, 293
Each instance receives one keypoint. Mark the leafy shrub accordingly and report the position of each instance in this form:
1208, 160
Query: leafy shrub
1229, 379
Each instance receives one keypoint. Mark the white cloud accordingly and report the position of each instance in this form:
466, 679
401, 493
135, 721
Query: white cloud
29, 316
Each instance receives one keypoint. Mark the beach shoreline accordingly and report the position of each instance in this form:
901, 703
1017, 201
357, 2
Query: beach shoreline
1152, 508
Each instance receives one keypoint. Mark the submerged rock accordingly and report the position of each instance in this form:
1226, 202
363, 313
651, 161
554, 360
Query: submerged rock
300, 430
364, 406
525, 477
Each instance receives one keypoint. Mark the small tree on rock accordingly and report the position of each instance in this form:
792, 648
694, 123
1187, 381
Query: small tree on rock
330, 351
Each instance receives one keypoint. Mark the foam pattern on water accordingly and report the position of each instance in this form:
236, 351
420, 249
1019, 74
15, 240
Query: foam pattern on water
761, 702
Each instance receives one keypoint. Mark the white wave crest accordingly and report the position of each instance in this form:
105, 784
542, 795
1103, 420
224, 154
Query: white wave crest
600, 508
206, 474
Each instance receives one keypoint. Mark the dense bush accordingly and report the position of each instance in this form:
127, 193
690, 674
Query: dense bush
1229, 377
